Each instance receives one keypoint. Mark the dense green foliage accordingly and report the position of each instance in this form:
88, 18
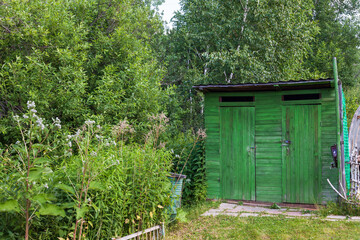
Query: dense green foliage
338, 37
109, 188
110, 60
191, 163
79, 58
258, 41
243, 41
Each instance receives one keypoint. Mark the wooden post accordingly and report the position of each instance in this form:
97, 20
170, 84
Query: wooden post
338, 129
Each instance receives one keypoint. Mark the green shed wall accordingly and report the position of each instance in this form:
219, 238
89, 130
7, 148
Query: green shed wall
268, 139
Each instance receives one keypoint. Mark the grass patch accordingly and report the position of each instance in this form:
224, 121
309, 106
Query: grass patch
343, 208
279, 227
186, 214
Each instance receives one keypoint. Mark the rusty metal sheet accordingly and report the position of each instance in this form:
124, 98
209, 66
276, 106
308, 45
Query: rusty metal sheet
354, 131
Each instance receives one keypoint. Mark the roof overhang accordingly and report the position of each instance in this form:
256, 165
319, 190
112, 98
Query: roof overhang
270, 86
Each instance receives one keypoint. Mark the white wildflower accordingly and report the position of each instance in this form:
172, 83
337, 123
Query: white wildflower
25, 116
69, 144
98, 137
98, 126
89, 122
177, 156
17, 142
110, 186
33, 110
172, 150
114, 143
40, 123
69, 137
46, 185
16, 117
57, 122
94, 154
77, 134
30, 104
89, 199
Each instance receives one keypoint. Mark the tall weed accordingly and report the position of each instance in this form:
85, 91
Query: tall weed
103, 186
190, 160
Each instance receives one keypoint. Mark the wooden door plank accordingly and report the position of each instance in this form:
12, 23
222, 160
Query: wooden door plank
301, 159
237, 159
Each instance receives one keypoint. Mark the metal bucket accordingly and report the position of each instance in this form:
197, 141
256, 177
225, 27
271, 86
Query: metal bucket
176, 191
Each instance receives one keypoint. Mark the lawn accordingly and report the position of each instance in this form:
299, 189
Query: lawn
279, 227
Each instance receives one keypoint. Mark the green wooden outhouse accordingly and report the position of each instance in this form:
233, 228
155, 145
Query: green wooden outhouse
272, 142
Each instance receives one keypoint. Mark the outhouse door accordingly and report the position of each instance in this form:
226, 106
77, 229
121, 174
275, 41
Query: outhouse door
300, 146
237, 152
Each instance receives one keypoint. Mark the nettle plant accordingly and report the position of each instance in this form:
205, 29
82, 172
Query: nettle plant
26, 175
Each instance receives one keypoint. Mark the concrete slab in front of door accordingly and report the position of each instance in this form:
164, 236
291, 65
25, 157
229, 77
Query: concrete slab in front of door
231, 209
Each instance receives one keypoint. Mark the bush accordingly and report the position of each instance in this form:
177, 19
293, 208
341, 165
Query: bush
106, 186
352, 96
137, 189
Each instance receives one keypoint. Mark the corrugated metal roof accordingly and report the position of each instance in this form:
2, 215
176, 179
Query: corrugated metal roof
270, 86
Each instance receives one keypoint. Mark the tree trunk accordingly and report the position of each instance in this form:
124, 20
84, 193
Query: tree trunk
246, 11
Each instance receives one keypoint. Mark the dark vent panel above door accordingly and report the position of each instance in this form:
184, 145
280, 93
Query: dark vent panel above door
312, 96
237, 99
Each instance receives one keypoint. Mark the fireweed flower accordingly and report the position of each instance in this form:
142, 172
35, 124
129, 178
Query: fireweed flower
201, 133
